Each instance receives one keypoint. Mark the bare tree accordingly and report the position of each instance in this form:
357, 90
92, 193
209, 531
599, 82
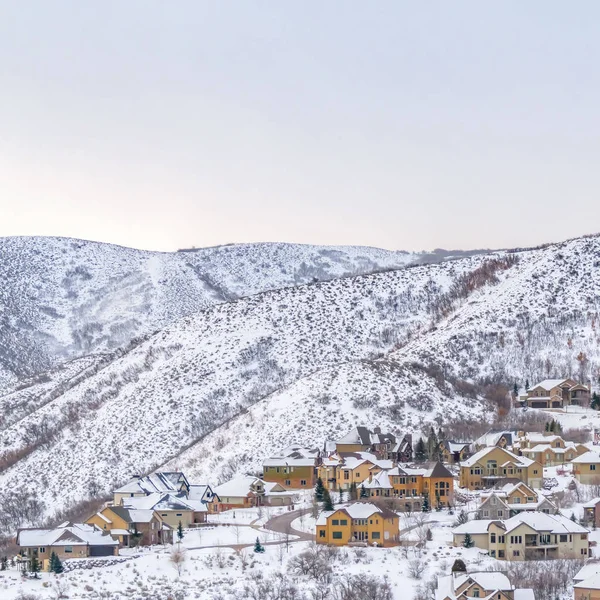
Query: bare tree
177, 559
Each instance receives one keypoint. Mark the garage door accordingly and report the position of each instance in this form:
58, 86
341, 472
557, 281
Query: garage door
101, 550
538, 405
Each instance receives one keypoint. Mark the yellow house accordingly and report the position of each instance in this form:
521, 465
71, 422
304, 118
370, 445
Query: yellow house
491, 465
293, 468
528, 535
346, 468
586, 468
486, 584
359, 522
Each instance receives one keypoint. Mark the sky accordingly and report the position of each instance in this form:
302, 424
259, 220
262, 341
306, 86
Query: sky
403, 125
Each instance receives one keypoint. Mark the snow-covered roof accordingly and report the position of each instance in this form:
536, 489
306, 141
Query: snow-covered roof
200, 492
67, 534
591, 503
548, 384
357, 510
521, 461
158, 502
488, 580
379, 481
132, 515
119, 532
237, 487
524, 594
591, 583
474, 527
492, 582
156, 482
542, 522
592, 458
289, 462
588, 570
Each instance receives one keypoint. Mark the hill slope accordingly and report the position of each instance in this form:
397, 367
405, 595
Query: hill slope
299, 365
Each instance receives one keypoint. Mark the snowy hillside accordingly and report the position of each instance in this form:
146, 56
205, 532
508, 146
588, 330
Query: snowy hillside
217, 390
63, 298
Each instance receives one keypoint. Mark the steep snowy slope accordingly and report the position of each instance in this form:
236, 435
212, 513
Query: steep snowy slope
63, 298
145, 407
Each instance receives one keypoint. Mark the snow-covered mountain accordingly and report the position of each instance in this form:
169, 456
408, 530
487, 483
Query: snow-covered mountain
215, 391
64, 298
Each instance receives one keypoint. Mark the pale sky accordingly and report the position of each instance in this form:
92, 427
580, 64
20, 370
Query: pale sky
405, 125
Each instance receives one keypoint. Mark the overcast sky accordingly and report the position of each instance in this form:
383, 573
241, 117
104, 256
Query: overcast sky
406, 125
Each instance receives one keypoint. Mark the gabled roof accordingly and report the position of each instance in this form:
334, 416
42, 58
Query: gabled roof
237, 487
548, 384
200, 492
521, 461
67, 534
538, 521
131, 515
357, 510
364, 437
158, 502
168, 481
591, 458
379, 481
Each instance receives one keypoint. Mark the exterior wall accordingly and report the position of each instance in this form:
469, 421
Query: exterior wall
77, 551
351, 447
480, 540
232, 502
172, 517
581, 593
118, 497
356, 476
444, 486
586, 473
376, 530
291, 477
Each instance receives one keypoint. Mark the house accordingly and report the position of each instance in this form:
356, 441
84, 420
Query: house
513, 498
163, 482
132, 527
557, 393
402, 452
454, 452
486, 584
586, 468
342, 470
69, 540
294, 467
246, 491
527, 535
409, 484
591, 512
359, 522
548, 449
502, 439
588, 589
490, 466
361, 439
201, 493
172, 509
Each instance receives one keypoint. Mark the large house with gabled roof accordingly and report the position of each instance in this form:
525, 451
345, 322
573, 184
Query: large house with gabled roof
492, 585
511, 499
556, 393
171, 482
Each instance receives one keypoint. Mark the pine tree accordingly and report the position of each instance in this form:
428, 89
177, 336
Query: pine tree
327, 503
526, 384
438, 504
432, 445
468, 543
258, 547
595, 405
363, 492
573, 518
459, 566
180, 531
462, 518
4, 563
55, 564
516, 389
353, 492
34, 566
341, 499
420, 451
425, 506
319, 489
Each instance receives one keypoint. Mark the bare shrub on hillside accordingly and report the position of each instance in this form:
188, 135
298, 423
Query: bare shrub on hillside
578, 435
358, 587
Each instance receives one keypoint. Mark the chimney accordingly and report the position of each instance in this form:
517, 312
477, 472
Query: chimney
377, 430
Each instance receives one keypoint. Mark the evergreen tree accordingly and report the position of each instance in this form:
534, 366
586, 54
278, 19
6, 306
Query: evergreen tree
432, 445
258, 547
55, 564
34, 566
573, 518
516, 389
438, 504
363, 492
180, 531
327, 503
4, 563
526, 384
425, 506
462, 518
459, 566
595, 405
353, 491
468, 543
429, 535
341, 499
319, 489
420, 451
547, 426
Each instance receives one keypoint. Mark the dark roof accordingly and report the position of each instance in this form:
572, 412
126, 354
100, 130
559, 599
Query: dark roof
438, 469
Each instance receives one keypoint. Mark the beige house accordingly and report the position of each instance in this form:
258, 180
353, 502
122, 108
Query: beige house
528, 535
247, 491
548, 449
342, 469
511, 499
67, 541
490, 466
557, 393
586, 468
167, 482
586, 582
170, 508
486, 584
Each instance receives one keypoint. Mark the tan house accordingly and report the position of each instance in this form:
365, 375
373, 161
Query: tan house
557, 393
343, 469
359, 523
591, 512
382, 445
511, 499
490, 466
586, 582
166, 482
486, 584
454, 452
247, 491
548, 449
586, 468
132, 527
67, 541
293, 468
528, 535
171, 509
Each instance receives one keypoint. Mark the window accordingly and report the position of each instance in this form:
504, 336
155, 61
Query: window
371, 521
179, 514
492, 538
288, 482
322, 533
335, 522
303, 482
516, 553
500, 553
375, 535
545, 539
165, 514
516, 539
530, 499
337, 535
535, 472
493, 553
493, 500
500, 513
344, 522
68, 549
563, 538
357, 475
592, 467
584, 536
486, 513
517, 500
42, 550
346, 474
153, 524
584, 551
476, 593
